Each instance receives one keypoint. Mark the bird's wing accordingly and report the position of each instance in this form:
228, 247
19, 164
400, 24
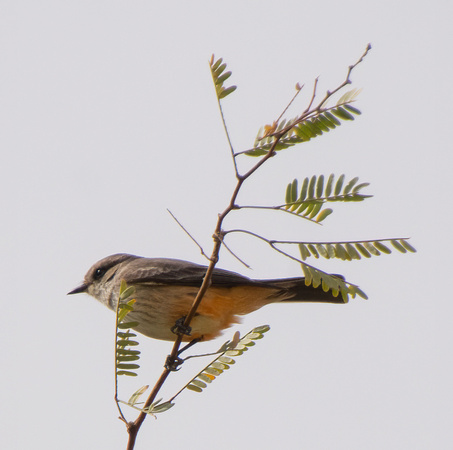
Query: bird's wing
182, 273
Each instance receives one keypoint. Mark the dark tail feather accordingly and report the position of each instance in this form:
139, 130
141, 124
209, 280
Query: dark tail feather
295, 290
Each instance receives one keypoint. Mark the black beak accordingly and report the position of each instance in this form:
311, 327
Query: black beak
78, 290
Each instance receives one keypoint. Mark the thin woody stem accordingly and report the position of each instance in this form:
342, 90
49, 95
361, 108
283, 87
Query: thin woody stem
188, 234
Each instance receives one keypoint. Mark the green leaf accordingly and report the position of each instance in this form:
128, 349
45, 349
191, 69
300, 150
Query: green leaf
352, 109
381, 247
331, 250
342, 113
323, 214
332, 118
313, 250
223, 78
407, 246
126, 372
227, 91
127, 358
288, 195
303, 133
320, 186
310, 206
219, 70
309, 129
124, 342
311, 187
199, 383
303, 207
206, 378
344, 295
293, 194
160, 408
398, 246
342, 253
326, 122
194, 388
317, 278
359, 187
219, 366
322, 126
261, 329
215, 66
350, 185
355, 290
322, 251
371, 248
307, 274
352, 251
128, 292
303, 190
136, 395
329, 185
363, 250
123, 351
125, 335
127, 366
339, 185
213, 371
126, 307
360, 293
127, 325
304, 253
234, 352
313, 127
315, 210
226, 360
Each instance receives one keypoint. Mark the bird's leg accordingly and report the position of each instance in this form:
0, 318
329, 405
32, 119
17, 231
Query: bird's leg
180, 329
173, 364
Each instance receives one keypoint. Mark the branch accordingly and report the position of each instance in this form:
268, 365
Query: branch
218, 235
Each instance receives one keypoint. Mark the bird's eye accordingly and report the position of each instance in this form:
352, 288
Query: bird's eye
98, 273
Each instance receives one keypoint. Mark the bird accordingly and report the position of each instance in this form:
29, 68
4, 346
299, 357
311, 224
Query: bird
166, 288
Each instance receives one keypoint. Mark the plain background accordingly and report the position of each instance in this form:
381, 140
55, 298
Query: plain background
108, 117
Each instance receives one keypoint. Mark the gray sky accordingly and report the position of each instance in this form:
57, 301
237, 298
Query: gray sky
108, 117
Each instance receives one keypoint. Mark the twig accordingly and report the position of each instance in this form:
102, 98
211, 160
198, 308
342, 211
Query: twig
313, 95
188, 234
234, 255
298, 91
